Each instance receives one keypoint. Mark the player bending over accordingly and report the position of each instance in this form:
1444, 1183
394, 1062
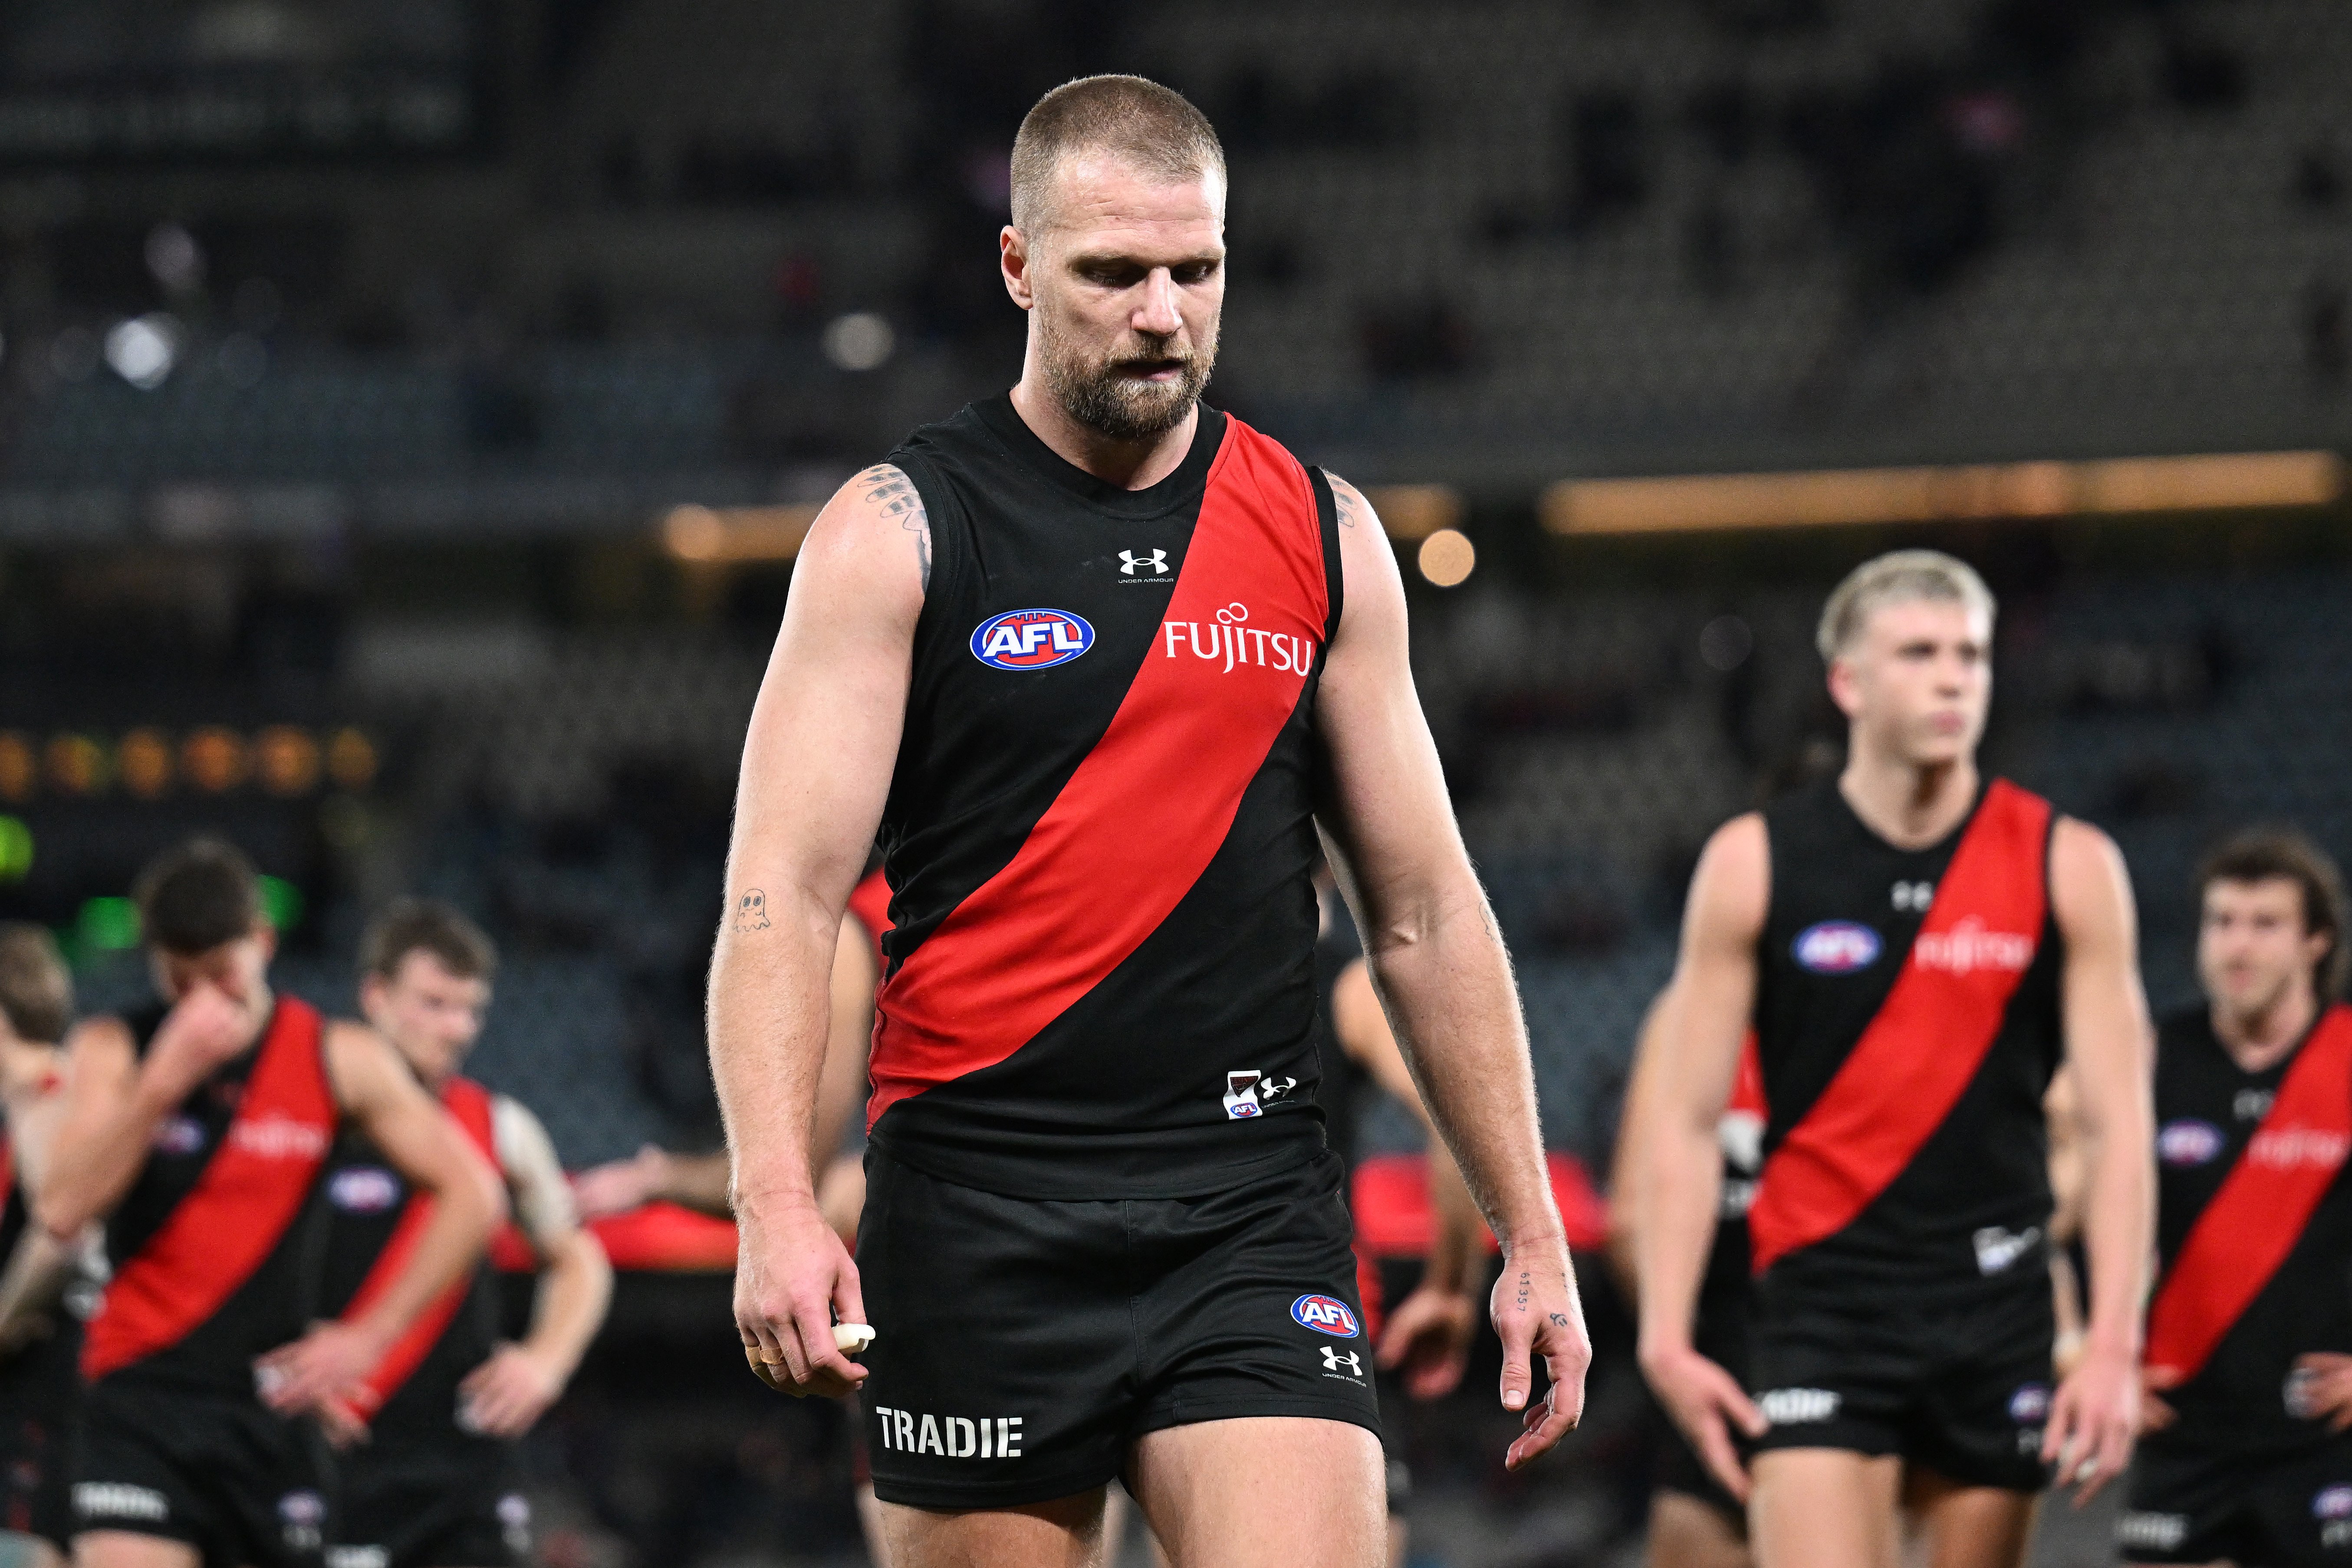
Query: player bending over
1915, 948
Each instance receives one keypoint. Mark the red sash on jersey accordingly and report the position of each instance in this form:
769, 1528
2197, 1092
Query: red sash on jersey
469, 1102
2258, 1215
1748, 1085
869, 902
1919, 1056
249, 1192
1148, 809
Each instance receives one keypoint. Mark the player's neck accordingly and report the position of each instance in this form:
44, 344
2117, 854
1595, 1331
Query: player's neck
1130, 464
2257, 1040
1909, 804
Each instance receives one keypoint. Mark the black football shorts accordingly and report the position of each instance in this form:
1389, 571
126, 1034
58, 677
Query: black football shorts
1956, 1382
244, 1488
431, 1501
2207, 1502
40, 1394
1023, 1344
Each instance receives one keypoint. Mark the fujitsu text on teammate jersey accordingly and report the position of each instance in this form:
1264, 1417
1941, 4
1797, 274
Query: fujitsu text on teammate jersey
1099, 832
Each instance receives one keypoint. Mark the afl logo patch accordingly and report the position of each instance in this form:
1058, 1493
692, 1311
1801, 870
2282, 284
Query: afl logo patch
1324, 1315
1031, 639
179, 1135
2187, 1143
363, 1189
1836, 947
2334, 1502
2030, 1404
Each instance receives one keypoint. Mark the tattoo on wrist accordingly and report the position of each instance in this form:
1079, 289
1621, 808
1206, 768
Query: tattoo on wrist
751, 910
889, 488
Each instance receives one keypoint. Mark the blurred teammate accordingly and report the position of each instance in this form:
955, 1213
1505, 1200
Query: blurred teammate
40, 1336
433, 1484
1086, 655
199, 1131
1912, 944
2250, 1333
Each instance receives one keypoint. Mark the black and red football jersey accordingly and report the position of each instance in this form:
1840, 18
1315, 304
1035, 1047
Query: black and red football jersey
1099, 835
1907, 1027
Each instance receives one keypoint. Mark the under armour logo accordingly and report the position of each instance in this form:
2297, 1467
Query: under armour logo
1152, 564
1332, 1358
1915, 897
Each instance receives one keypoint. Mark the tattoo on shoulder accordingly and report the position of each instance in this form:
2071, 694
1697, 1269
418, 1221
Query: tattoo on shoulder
1351, 503
751, 910
886, 485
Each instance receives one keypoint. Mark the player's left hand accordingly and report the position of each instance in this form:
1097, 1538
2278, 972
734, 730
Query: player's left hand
1537, 1313
317, 1368
1427, 1341
2323, 1387
2093, 1417
506, 1396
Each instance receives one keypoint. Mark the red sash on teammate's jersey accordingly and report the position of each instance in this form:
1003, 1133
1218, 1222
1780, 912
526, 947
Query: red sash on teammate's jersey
251, 1191
1147, 809
869, 905
2258, 1215
1931, 1035
469, 1102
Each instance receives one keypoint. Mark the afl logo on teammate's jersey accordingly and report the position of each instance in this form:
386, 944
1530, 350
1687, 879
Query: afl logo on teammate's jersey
363, 1189
179, 1135
2187, 1143
1324, 1315
1836, 947
1031, 639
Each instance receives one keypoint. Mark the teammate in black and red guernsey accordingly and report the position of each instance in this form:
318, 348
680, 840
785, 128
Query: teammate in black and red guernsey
1915, 947
199, 1130
433, 1484
1096, 660
40, 1333
2249, 1333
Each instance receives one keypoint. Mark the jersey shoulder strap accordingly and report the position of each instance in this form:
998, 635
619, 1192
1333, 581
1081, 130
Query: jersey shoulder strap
2258, 1213
251, 1191
1919, 1053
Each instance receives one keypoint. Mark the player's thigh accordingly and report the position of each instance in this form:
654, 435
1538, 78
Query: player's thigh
1200, 1485
19, 1550
1687, 1532
1825, 1508
126, 1549
1970, 1526
1065, 1532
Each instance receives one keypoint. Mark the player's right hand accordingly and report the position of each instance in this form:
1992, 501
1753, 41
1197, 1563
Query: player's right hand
1706, 1402
204, 1028
791, 1277
2154, 1414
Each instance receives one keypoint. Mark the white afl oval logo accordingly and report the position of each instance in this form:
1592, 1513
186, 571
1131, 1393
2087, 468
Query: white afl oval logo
1031, 639
2187, 1143
179, 1135
1836, 947
363, 1189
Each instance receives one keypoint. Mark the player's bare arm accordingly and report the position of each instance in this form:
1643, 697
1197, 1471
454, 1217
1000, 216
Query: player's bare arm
1438, 963
507, 1394
840, 1090
817, 760
40, 1268
1429, 1333
1629, 1161
381, 1097
1680, 1184
2110, 1047
115, 1101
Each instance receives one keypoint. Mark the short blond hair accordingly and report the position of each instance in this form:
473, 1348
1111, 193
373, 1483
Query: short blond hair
1898, 577
1134, 119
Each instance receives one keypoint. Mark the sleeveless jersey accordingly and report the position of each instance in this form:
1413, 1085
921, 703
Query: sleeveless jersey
2209, 1112
216, 1248
412, 1394
1099, 832
1907, 1027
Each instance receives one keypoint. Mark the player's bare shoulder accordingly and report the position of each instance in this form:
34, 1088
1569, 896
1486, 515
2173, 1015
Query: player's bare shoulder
1731, 891
870, 545
2090, 886
1373, 588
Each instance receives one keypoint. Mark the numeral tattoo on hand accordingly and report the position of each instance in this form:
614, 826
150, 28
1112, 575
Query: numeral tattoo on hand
751, 910
889, 488
1526, 1286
